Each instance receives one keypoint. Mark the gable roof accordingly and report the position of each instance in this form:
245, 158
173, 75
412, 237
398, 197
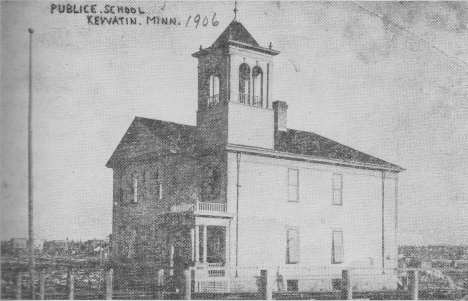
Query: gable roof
311, 144
147, 136
236, 34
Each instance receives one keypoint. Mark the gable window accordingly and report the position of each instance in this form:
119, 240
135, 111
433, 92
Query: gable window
292, 246
135, 188
337, 246
244, 83
214, 91
121, 188
337, 189
293, 185
257, 76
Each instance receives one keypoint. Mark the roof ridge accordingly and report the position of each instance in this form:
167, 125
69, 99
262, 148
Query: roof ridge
164, 121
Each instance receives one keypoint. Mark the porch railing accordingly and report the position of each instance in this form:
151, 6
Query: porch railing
199, 206
211, 207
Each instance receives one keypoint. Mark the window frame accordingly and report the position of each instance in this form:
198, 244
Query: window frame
135, 188
122, 184
288, 246
333, 253
293, 185
214, 79
158, 185
340, 189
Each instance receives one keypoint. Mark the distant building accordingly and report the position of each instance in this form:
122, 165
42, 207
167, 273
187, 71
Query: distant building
56, 247
241, 189
19, 243
39, 244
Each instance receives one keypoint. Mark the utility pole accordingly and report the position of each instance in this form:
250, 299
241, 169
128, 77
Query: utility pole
30, 173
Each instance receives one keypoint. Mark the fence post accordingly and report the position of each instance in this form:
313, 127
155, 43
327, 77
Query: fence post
414, 283
188, 284
109, 283
71, 284
42, 284
18, 284
266, 286
346, 285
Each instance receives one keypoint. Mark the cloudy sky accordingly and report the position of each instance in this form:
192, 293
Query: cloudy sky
387, 78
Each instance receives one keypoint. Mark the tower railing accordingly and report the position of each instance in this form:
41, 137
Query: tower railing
257, 101
213, 101
244, 98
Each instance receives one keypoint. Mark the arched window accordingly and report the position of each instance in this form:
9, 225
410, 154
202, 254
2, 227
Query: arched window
244, 83
214, 91
257, 76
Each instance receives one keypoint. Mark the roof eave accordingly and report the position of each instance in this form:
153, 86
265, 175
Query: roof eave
289, 155
208, 50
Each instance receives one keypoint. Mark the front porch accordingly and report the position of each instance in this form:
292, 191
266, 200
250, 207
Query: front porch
199, 232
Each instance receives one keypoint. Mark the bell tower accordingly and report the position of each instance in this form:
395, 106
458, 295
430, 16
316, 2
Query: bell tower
235, 77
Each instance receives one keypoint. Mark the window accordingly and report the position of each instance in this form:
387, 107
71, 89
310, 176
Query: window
211, 186
293, 185
337, 246
257, 76
292, 248
292, 285
214, 85
214, 91
135, 188
244, 83
121, 188
337, 189
158, 186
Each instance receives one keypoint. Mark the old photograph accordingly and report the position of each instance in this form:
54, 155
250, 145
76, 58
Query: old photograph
234, 150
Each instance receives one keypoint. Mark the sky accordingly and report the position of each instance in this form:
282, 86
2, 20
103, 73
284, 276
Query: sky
387, 78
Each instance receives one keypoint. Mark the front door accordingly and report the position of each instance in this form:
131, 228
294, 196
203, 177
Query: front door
210, 245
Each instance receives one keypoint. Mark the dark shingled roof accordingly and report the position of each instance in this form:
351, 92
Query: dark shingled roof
168, 129
179, 138
310, 144
235, 32
165, 137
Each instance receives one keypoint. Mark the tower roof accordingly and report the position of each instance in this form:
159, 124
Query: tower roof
237, 35
235, 32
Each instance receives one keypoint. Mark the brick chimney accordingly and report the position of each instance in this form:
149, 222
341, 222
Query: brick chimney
281, 115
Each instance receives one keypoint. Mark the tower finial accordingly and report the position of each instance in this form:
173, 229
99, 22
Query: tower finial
235, 11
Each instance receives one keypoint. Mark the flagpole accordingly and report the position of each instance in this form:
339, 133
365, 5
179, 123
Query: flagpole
30, 173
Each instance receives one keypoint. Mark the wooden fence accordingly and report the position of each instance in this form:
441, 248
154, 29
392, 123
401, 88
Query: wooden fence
265, 282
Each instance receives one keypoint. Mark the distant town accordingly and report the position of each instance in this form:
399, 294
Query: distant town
17, 249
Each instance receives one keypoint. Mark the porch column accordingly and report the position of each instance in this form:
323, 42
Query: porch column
227, 246
192, 240
197, 243
205, 252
